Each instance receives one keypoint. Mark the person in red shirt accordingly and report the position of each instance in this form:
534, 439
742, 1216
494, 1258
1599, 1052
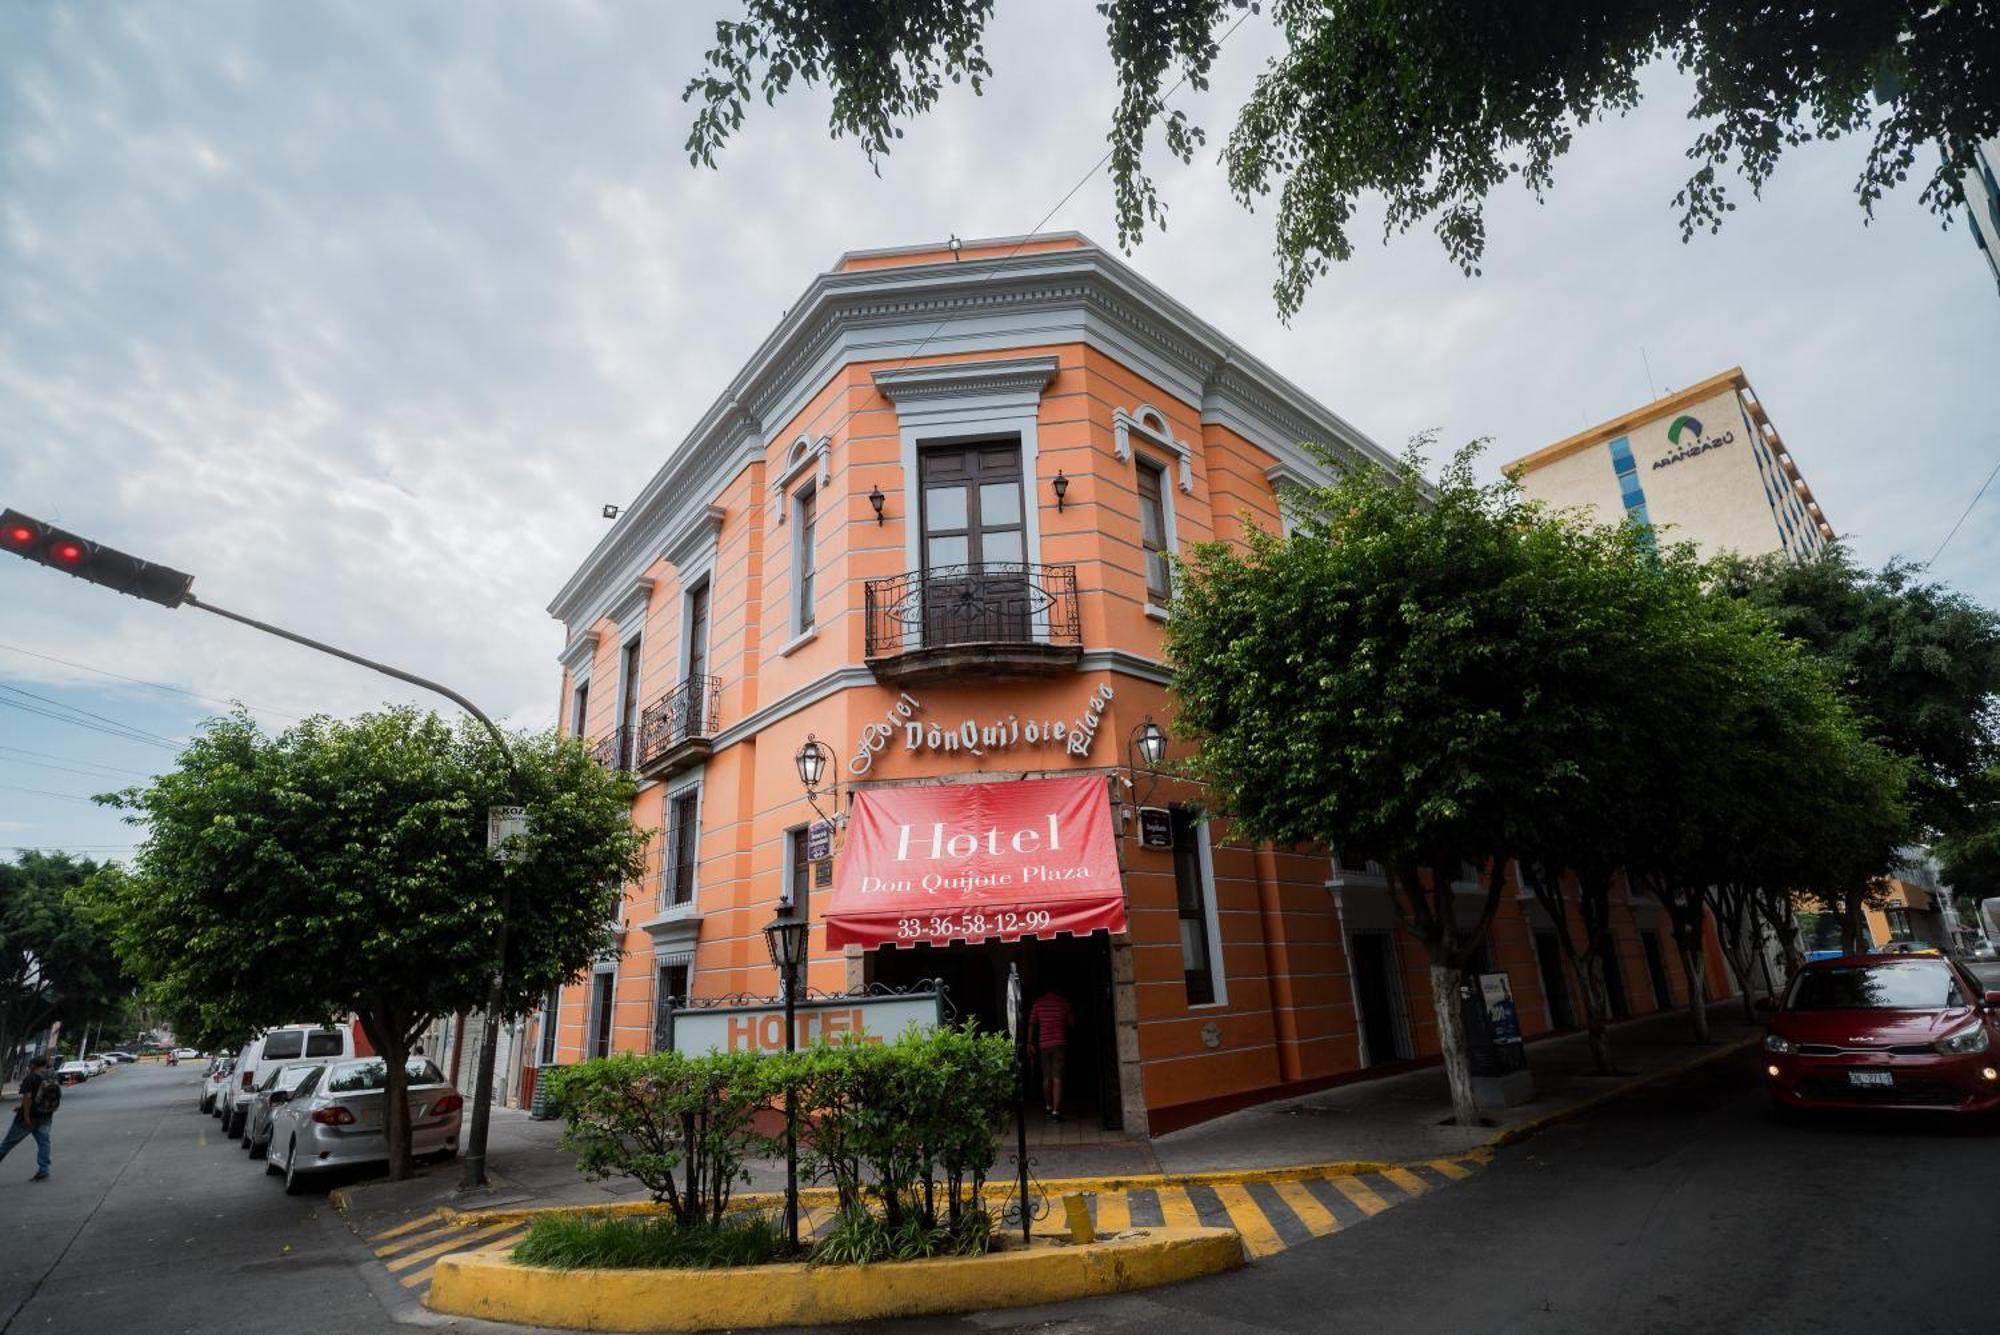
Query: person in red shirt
1049, 1022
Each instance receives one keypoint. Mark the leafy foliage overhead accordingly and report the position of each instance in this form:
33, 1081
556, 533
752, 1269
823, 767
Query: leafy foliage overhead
1431, 105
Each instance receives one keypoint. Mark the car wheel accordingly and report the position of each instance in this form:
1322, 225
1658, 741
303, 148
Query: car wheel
294, 1183
260, 1149
237, 1117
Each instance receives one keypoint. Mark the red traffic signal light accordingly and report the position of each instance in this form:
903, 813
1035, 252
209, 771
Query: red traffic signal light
45, 544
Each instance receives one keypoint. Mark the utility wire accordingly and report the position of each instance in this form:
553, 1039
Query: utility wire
141, 681
101, 718
44, 792
1961, 519
67, 769
119, 732
50, 755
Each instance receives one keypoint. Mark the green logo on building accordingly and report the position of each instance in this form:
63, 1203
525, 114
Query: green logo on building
1683, 423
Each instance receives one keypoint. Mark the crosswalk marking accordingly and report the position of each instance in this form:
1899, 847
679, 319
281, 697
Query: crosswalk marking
1319, 1220
1258, 1234
1270, 1214
1407, 1180
1361, 1194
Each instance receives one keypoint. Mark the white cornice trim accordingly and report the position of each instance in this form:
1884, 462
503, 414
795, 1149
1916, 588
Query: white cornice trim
1007, 377
1079, 295
629, 612
578, 655
704, 529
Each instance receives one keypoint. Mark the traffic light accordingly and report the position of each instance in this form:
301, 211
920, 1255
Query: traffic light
24, 535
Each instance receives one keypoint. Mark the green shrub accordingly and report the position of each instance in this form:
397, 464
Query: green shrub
612, 1242
653, 1115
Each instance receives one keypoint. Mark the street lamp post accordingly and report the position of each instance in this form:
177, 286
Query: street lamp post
786, 937
1017, 1029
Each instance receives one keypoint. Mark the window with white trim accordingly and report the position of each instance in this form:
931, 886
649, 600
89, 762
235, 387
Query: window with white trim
1153, 538
679, 858
1195, 897
805, 521
579, 708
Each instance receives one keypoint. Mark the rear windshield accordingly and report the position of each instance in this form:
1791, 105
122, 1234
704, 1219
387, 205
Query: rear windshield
283, 1045
291, 1077
323, 1043
1920, 985
359, 1077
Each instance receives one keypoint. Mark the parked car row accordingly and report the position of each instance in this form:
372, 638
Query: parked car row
298, 1098
79, 1069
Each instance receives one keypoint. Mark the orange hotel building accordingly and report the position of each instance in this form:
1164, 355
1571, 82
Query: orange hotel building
947, 481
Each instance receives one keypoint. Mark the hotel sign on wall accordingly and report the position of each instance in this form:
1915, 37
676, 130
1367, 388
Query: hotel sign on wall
1685, 441
837, 1019
902, 726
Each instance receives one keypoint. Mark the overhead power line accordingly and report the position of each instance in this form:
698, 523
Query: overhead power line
95, 765
1961, 519
141, 681
44, 792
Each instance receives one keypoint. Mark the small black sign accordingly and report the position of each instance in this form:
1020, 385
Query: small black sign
823, 873
1156, 827
819, 840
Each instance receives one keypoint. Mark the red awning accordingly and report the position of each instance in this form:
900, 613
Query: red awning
977, 862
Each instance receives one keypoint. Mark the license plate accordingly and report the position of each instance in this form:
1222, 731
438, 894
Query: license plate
1871, 1079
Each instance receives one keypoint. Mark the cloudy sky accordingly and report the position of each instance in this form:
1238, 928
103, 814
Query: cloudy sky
361, 312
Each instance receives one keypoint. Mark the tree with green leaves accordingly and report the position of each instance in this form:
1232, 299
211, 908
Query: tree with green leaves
1405, 677
1920, 661
1969, 857
55, 957
342, 867
1431, 106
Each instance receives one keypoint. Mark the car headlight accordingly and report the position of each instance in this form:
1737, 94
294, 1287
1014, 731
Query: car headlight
1971, 1039
1779, 1043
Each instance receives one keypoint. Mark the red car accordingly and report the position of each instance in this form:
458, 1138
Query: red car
1885, 1031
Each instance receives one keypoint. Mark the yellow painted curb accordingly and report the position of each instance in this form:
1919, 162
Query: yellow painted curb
491, 1287
1522, 1130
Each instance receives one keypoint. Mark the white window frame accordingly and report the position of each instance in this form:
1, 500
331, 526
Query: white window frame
637, 643
804, 563
689, 788
579, 705
704, 580
609, 974
1211, 920
1170, 529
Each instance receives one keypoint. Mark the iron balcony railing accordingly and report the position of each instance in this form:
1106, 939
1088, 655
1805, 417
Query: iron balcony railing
614, 749
996, 603
686, 713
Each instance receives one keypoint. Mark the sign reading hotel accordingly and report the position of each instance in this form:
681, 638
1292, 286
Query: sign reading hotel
837, 1019
976, 862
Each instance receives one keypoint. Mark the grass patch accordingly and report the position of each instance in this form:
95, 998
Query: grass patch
583, 1242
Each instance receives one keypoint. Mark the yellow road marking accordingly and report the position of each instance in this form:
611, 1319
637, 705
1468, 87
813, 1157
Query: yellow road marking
420, 1277
1176, 1210
449, 1245
1451, 1170
1248, 1216
1407, 1180
502, 1243
1360, 1193
401, 1229
1319, 1220
429, 1235
1114, 1212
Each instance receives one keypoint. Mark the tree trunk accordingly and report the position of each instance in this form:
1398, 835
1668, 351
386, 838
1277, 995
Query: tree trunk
1744, 984
1597, 1012
1697, 994
1851, 921
392, 1042
1445, 983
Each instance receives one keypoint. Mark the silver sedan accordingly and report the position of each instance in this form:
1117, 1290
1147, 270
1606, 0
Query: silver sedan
334, 1120
280, 1085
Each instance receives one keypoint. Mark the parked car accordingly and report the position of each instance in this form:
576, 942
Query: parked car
119, 1057
1890, 1031
280, 1085
97, 1064
271, 1049
1907, 948
1982, 949
334, 1120
213, 1082
73, 1073
187, 1054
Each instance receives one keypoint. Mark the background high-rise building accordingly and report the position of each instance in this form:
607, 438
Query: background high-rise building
1703, 465
1982, 203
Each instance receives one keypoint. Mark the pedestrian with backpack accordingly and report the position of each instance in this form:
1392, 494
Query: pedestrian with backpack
41, 1095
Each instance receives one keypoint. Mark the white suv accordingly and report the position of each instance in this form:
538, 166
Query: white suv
283, 1046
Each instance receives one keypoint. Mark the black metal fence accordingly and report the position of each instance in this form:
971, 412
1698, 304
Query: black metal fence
614, 749
688, 711
996, 603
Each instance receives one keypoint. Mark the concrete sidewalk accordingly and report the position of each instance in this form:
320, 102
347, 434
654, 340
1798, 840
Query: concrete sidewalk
1398, 1118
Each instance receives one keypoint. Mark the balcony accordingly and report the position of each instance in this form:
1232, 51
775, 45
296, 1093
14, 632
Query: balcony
614, 749
995, 620
677, 731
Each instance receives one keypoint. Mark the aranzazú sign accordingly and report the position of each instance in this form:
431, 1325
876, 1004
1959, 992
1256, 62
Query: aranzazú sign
976, 862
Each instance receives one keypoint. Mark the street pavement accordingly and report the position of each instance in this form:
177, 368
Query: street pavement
152, 1222
1686, 1208
1682, 1208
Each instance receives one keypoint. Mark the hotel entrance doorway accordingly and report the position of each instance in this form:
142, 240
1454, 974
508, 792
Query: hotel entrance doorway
974, 980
